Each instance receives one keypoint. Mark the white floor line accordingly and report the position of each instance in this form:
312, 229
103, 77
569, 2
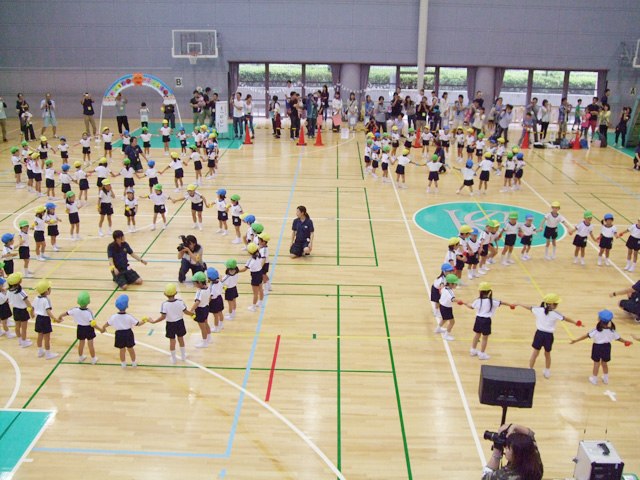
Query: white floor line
593, 245
456, 377
263, 404
16, 388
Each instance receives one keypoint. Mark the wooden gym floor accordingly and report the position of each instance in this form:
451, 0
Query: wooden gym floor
344, 347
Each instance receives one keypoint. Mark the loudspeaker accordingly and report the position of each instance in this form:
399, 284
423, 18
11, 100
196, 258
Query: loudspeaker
507, 386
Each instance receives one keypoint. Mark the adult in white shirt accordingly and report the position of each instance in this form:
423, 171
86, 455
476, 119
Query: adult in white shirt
238, 116
445, 110
336, 111
48, 108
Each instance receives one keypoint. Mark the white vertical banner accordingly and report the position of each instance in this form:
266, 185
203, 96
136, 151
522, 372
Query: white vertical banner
222, 117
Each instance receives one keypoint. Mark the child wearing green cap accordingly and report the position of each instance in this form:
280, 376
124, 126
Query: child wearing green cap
71, 208
235, 211
510, 166
123, 324
127, 173
24, 252
145, 136
5, 310
17, 166
582, 230
159, 198
602, 335
200, 308
434, 167
510, 231
230, 282
85, 330
254, 266
50, 179
446, 307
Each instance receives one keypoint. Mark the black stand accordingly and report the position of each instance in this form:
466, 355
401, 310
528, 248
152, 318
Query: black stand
504, 415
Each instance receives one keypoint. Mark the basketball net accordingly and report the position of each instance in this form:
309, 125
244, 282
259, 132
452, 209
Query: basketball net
193, 58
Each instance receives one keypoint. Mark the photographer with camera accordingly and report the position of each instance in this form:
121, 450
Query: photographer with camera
48, 108
519, 447
632, 303
190, 254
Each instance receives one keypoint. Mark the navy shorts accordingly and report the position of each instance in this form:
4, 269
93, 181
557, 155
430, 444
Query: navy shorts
17, 169
542, 339
223, 216
550, 232
601, 352
52, 230
236, 221
482, 325
508, 174
20, 314
74, 218
50, 183
484, 175
256, 278
633, 243
510, 240
434, 176
5, 311
85, 332
197, 207
129, 182
526, 240
43, 324
159, 209
179, 173
125, 339
606, 242
400, 169
38, 236
580, 241
176, 329
231, 293
24, 253
435, 294
446, 312
106, 209
216, 305
202, 313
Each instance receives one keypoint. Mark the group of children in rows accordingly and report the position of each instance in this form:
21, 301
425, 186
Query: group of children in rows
15, 304
381, 150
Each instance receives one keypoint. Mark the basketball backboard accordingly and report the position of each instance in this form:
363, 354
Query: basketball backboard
636, 60
190, 43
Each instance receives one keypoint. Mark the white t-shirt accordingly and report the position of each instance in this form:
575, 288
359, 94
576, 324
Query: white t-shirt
127, 172
165, 131
102, 171
65, 178
82, 316
221, 204
635, 230
146, 137
486, 165
71, 207
480, 145
176, 164
17, 298
203, 295
254, 264
215, 289
439, 282
105, 197
41, 305
434, 166
511, 228
582, 229
553, 222
238, 108
24, 237
196, 198
39, 224
122, 321
607, 335
446, 297
107, 137
85, 142
485, 307
527, 229
546, 323
130, 204
79, 175
404, 160
174, 310
49, 173
151, 173
608, 232
159, 199
467, 173
236, 210
230, 280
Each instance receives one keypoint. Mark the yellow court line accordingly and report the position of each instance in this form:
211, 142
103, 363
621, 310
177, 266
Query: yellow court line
362, 337
533, 280
61, 261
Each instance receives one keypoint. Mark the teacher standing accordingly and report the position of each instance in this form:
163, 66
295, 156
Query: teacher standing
302, 234
121, 113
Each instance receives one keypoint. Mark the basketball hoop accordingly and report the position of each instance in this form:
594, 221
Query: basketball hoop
193, 57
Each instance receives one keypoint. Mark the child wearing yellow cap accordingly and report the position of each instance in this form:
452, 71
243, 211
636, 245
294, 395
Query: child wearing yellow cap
22, 309
552, 220
172, 310
485, 307
198, 202
43, 148
85, 141
85, 330
107, 139
38, 228
36, 168
254, 265
80, 178
176, 164
546, 320
263, 241
470, 141
44, 316
105, 205
5, 310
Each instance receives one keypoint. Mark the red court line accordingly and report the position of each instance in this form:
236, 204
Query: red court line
273, 367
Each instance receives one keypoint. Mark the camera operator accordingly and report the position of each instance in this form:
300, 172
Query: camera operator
48, 108
632, 303
190, 253
519, 447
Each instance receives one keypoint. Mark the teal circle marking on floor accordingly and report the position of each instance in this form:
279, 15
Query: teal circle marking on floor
445, 219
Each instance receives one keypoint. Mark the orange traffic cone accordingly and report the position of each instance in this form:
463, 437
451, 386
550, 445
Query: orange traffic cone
525, 141
576, 141
417, 143
374, 130
247, 137
301, 141
319, 140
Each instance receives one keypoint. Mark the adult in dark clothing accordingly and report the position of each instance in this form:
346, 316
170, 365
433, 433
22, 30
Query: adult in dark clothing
302, 234
593, 110
396, 106
324, 96
191, 258
88, 112
133, 152
632, 303
294, 115
533, 109
121, 272
479, 100
26, 127
605, 98
170, 115
212, 110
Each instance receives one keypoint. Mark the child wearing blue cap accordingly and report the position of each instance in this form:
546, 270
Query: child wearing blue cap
375, 156
509, 169
519, 172
126, 140
467, 177
7, 253
5, 310
438, 284
527, 229
602, 335
123, 323
63, 148
65, 179
52, 220
152, 174
249, 220
608, 232
216, 303
182, 136
223, 216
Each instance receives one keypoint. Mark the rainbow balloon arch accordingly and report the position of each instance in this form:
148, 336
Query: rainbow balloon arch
138, 80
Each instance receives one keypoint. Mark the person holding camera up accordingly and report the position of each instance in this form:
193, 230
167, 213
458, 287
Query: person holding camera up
190, 254
518, 446
48, 108
88, 112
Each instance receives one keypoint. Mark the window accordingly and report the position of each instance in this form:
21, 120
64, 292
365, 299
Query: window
583, 83
316, 76
514, 88
251, 78
453, 81
279, 73
409, 78
547, 85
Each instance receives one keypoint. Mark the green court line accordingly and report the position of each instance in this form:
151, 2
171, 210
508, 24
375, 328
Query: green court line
597, 197
552, 165
338, 226
373, 240
265, 369
16, 211
395, 382
337, 164
548, 179
579, 204
360, 157
339, 400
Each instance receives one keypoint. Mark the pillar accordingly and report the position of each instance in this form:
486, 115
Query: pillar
485, 81
349, 81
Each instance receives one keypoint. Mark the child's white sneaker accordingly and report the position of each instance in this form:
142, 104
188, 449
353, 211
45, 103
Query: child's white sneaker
483, 356
593, 380
546, 373
605, 379
202, 344
82, 358
251, 308
447, 336
49, 355
438, 330
473, 352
